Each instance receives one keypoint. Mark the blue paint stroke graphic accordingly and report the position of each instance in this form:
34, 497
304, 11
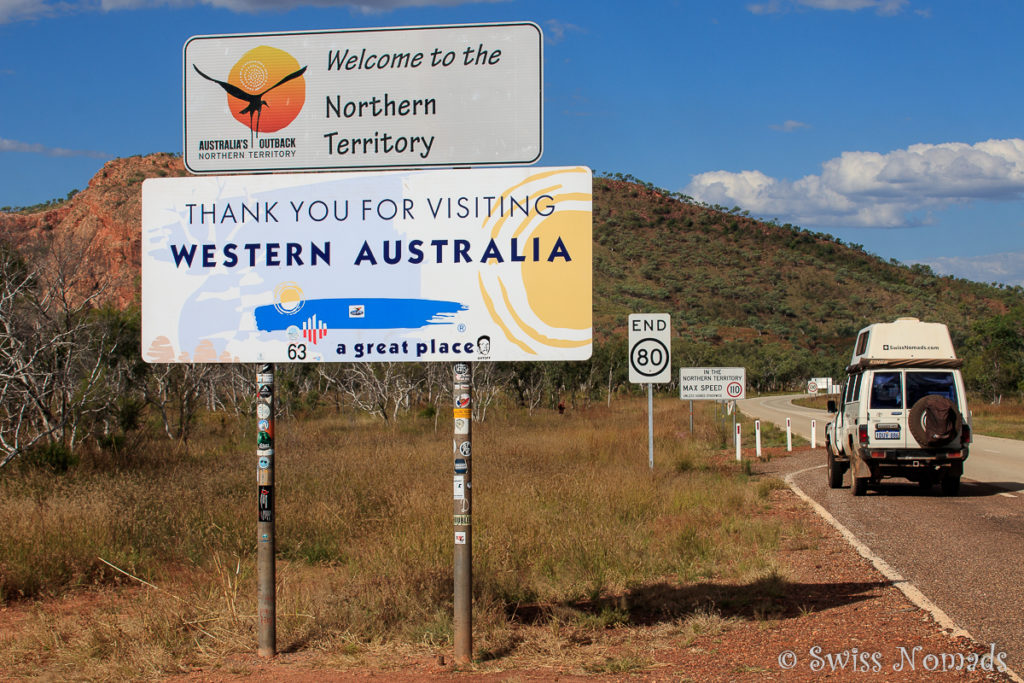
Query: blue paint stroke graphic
378, 314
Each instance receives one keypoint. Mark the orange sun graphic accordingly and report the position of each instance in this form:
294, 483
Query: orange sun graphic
260, 72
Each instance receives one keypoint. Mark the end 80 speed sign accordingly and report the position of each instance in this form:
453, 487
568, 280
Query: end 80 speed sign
650, 348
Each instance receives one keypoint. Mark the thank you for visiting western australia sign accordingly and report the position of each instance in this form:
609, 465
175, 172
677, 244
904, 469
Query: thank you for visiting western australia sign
488, 264
374, 98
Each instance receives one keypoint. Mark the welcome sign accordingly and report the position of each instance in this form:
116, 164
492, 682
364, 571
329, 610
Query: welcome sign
444, 265
370, 98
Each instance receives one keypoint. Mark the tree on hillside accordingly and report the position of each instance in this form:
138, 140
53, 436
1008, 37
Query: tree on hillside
64, 365
994, 356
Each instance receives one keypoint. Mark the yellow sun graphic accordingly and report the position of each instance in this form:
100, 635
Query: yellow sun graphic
288, 298
550, 304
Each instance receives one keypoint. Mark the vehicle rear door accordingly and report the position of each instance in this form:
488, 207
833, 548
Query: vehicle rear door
921, 383
887, 426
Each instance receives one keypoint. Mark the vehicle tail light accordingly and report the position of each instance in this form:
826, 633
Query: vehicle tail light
965, 434
955, 455
862, 434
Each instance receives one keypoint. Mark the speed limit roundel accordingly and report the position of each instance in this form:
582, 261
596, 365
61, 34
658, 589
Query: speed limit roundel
734, 389
649, 357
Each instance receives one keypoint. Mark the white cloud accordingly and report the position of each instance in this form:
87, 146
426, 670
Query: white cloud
555, 30
21, 10
367, 6
789, 126
35, 148
869, 189
1007, 267
881, 7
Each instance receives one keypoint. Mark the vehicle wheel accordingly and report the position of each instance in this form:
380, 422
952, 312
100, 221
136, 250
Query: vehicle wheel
934, 421
951, 484
835, 472
859, 486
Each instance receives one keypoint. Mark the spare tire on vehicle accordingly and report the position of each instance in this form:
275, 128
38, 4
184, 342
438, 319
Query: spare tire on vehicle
934, 421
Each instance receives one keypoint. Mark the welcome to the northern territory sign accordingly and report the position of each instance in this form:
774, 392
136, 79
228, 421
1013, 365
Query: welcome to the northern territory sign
434, 265
418, 97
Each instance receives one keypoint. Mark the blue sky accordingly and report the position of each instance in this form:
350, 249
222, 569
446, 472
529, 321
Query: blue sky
895, 124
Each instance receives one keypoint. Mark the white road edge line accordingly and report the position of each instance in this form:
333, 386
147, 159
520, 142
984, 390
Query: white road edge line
906, 587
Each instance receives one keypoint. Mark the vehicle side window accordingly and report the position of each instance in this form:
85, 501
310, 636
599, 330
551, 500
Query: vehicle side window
921, 384
855, 394
886, 391
862, 344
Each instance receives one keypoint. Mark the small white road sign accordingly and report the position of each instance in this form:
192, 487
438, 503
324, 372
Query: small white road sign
650, 348
712, 384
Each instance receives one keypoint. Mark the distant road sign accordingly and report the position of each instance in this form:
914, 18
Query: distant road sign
712, 384
403, 97
650, 348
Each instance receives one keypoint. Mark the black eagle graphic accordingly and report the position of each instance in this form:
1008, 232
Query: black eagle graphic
254, 102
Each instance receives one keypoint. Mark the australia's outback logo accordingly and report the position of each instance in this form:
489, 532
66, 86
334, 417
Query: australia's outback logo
265, 92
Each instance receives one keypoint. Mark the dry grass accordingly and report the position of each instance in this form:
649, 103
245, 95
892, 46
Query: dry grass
572, 533
1004, 419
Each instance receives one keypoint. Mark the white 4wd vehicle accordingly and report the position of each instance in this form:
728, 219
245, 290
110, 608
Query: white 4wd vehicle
902, 411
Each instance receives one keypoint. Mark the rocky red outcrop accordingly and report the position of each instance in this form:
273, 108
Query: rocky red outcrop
97, 232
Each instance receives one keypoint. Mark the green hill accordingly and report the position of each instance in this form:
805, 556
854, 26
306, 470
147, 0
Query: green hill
748, 292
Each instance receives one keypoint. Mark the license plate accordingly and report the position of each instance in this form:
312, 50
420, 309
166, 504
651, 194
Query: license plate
887, 435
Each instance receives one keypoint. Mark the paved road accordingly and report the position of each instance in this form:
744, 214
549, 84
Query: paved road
962, 552
992, 460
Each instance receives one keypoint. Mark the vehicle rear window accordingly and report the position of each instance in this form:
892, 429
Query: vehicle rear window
886, 391
921, 384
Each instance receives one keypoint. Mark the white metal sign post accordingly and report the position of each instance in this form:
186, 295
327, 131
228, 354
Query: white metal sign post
650, 360
428, 266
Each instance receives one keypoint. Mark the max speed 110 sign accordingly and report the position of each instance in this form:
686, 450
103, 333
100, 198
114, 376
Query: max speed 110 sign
441, 265
713, 384
650, 348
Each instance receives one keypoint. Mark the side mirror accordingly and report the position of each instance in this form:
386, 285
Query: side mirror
832, 407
